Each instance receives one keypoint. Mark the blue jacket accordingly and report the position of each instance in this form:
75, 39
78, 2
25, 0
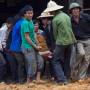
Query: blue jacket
16, 37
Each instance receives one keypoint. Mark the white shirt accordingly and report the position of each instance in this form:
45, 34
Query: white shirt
3, 36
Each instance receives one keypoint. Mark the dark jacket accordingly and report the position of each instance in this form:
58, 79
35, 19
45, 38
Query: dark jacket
48, 34
82, 29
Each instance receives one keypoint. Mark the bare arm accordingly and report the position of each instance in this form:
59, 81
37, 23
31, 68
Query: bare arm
30, 41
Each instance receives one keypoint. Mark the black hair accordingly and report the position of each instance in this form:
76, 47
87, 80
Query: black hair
10, 20
35, 21
25, 9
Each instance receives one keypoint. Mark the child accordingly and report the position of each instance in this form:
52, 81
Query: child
44, 51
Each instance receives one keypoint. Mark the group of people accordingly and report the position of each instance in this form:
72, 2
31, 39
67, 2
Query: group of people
60, 39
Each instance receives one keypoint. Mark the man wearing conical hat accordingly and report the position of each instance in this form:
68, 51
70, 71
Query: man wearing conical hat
64, 39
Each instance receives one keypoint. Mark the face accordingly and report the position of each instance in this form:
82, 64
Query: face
29, 15
36, 26
44, 21
75, 12
52, 12
9, 26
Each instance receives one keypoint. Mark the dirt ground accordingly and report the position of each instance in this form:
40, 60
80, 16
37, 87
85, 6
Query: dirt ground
47, 85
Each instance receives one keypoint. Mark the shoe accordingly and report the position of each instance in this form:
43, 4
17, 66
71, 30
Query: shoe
63, 83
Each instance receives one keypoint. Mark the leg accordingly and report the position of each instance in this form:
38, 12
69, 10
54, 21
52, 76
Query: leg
85, 63
73, 61
13, 65
80, 53
67, 69
30, 63
2, 66
20, 61
56, 62
40, 65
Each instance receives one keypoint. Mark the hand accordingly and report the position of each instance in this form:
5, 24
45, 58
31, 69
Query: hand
1, 48
38, 47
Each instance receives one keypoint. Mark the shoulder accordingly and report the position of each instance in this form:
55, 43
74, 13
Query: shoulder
4, 27
85, 16
17, 23
65, 16
24, 22
61, 17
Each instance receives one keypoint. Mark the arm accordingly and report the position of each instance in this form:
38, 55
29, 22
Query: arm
25, 29
29, 40
4, 36
54, 30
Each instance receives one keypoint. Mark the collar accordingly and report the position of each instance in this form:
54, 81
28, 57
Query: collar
58, 12
28, 19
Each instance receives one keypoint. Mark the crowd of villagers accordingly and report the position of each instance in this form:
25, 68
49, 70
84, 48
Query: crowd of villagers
54, 46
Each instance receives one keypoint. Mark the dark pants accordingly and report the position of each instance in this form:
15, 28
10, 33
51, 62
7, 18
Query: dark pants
61, 62
2, 66
21, 63
12, 64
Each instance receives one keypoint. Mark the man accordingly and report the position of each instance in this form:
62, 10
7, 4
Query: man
5, 30
64, 38
34, 61
15, 48
81, 29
